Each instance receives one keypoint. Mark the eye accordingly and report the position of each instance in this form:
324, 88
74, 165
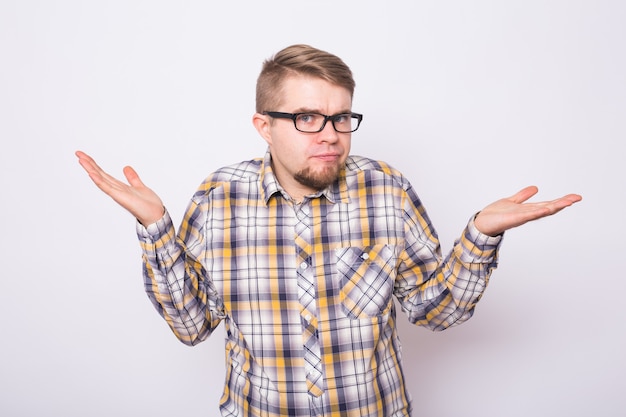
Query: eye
342, 118
308, 118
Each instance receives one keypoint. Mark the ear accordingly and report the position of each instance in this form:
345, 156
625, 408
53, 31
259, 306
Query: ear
262, 124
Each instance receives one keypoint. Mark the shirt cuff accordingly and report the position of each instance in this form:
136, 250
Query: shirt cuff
477, 247
157, 234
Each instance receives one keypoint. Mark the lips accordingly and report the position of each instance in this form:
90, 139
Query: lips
328, 156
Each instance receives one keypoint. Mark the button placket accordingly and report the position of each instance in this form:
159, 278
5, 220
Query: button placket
306, 296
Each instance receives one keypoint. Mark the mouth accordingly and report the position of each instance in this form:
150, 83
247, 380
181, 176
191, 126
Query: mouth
327, 157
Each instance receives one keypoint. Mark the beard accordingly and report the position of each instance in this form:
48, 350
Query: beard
320, 179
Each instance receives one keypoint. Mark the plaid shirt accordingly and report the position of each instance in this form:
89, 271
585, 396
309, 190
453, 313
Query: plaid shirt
316, 278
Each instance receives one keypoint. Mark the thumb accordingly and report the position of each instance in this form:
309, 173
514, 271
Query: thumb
524, 194
132, 177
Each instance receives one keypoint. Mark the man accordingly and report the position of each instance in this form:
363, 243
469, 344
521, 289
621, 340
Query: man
301, 251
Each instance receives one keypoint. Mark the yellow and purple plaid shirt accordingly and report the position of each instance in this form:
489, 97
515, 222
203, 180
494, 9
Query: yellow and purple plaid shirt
307, 289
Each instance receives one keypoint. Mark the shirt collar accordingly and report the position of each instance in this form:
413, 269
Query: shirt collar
337, 192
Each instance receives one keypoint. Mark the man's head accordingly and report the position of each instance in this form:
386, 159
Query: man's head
308, 151
298, 60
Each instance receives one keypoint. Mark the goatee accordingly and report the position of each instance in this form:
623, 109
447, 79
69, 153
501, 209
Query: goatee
318, 180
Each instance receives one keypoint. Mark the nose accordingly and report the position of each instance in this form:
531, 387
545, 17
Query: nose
328, 134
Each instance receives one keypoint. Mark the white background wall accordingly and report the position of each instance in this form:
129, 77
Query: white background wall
472, 100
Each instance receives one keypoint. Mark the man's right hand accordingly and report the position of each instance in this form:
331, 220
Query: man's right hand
139, 200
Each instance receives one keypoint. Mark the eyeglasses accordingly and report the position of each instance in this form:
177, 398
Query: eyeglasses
315, 122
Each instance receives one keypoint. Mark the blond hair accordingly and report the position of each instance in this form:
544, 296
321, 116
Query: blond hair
298, 60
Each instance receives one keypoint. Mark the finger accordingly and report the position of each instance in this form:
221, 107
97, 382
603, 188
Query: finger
524, 194
93, 170
573, 198
105, 182
88, 163
132, 177
563, 202
81, 154
84, 158
534, 211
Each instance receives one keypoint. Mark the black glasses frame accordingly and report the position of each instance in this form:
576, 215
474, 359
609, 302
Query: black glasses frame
333, 118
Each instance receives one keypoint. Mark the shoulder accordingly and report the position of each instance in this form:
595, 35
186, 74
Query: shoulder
371, 167
245, 171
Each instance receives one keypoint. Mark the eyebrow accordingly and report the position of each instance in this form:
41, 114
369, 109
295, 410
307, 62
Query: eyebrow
310, 110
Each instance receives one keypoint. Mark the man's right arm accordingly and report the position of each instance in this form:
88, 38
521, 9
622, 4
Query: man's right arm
175, 280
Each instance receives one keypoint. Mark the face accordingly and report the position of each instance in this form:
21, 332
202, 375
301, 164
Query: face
306, 162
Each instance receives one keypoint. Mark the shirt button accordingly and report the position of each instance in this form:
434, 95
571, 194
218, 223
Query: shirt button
307, 317
365, 256
303, 265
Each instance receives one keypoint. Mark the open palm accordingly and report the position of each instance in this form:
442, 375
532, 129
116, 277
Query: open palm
513, 211
139, 200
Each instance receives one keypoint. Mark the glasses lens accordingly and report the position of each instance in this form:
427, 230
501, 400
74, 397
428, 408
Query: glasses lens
309, 122
314, 122
346, 122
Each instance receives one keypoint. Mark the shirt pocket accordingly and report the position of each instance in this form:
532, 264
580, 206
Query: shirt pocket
366, 278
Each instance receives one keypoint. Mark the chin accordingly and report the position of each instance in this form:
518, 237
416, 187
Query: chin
320, 179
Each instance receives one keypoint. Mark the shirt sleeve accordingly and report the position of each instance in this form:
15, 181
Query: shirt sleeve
437, 292
175, 280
